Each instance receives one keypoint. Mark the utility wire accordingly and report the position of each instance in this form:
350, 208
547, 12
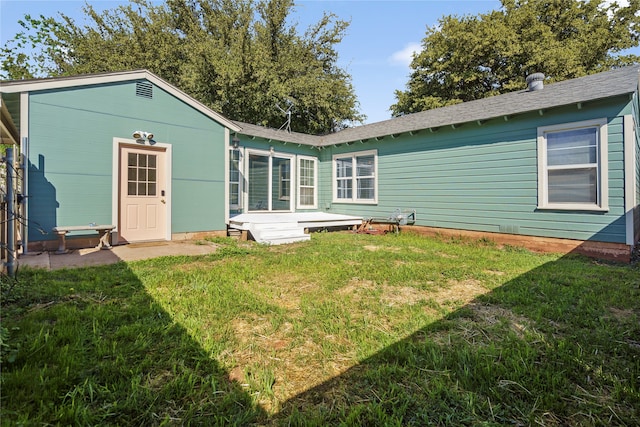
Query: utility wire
23, 220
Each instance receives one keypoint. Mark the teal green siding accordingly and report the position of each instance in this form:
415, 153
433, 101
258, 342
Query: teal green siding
484, 177
279, 147
71, 135
325, 189
480, 177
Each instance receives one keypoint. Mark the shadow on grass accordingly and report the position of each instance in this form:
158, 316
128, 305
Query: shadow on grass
557, 345
90, 347
551, 347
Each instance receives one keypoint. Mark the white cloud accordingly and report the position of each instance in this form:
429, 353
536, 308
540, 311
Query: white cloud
621, 3
405, 56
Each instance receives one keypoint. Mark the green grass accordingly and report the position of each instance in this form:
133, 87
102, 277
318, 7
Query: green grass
343, 330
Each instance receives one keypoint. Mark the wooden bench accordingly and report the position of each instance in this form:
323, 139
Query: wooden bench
104, 231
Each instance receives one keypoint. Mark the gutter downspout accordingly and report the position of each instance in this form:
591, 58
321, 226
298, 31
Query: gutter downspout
630, 202
227, 147
24, 152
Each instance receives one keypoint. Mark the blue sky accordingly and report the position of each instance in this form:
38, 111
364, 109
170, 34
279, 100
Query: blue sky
376, 50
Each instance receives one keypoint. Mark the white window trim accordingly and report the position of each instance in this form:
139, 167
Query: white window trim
299, 205
602, 204
354, 185
240, 179
282, 180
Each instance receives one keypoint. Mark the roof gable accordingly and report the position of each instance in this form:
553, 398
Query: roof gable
34, 85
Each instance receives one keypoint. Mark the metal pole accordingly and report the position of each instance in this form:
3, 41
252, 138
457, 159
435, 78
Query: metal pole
11, 222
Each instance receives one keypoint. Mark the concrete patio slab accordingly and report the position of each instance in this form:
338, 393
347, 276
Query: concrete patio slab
131, 252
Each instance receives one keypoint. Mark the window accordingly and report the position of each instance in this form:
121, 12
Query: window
284, 191
234, 179
344, 178
141, 174
355, 178
307, 193
572, 166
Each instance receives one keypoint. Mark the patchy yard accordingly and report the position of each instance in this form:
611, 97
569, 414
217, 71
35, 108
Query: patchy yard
344, 329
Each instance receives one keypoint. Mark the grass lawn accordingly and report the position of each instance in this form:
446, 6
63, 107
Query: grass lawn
345, 329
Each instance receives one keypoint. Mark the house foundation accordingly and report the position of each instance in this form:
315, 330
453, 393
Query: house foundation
618, 252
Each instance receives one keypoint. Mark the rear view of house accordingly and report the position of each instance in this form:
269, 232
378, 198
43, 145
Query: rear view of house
553, 167
557, 166
126, 149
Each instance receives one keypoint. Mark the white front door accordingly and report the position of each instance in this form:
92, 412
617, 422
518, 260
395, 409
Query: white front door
143, 194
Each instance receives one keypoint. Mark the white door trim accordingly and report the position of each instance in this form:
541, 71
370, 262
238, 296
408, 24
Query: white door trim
227, 147
115, 178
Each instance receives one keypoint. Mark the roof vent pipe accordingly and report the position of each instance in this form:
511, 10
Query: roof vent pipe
535, 82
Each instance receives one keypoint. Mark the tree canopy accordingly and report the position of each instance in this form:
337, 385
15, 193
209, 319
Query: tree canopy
242, 58
472, 57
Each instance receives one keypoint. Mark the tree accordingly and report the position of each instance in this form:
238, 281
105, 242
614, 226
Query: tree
472, 57
45, 38
239, 57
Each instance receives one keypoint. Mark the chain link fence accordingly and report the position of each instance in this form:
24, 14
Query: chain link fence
10, 210
3, 211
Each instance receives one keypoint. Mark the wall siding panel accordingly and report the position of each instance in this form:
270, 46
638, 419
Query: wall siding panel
484, 178
70, 159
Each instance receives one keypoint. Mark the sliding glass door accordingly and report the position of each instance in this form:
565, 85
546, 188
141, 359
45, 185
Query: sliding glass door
269, 182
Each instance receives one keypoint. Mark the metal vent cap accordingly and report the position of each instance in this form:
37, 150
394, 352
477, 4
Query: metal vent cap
535, 82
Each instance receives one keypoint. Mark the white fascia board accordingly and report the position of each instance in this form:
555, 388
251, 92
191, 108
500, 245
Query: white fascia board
87, 80
192, 102
74, 81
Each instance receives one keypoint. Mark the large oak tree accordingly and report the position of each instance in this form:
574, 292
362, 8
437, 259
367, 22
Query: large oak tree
243, 58
472, 57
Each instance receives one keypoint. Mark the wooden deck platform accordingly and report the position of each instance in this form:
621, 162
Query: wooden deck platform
281, 228
303, 219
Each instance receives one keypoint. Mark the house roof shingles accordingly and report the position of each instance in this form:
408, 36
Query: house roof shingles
277, 135
616, 82
611, 83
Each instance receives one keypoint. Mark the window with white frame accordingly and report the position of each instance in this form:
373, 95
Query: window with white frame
354, 177
572, 166
307, 190
234, 179
284, 173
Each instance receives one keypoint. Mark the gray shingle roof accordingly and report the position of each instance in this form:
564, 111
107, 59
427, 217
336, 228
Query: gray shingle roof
278, 135
584, 89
